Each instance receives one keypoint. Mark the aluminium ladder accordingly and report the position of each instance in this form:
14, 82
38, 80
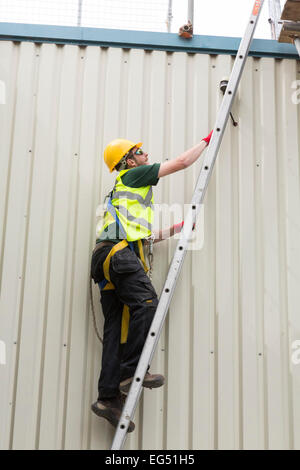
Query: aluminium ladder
180, 252
275, 14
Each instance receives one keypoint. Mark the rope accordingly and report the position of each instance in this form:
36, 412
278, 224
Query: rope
150, 256
93, 312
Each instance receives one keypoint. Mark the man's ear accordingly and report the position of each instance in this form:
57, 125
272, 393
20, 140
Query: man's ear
131, 163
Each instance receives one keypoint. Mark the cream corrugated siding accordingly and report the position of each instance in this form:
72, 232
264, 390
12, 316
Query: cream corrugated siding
227, 343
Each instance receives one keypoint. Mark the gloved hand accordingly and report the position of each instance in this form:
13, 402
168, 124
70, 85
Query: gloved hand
207, 139
178, 227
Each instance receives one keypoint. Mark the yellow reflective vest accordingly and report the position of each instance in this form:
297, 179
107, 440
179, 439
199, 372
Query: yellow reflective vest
132, 209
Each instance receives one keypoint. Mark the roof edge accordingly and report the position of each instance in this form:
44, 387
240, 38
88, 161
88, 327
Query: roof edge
142, 40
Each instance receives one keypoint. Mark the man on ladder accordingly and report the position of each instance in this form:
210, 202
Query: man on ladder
128, 298
180, 251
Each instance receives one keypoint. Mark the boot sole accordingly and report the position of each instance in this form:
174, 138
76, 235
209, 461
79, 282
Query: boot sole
110, 417
153, 384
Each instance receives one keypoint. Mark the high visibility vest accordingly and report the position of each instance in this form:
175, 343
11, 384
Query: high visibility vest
132, 209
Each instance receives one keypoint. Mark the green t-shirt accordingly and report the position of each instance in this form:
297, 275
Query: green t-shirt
144, 175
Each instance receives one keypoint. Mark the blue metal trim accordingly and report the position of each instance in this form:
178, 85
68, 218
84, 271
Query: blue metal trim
141, 40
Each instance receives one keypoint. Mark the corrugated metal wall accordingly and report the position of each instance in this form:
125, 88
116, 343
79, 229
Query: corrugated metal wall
227, 344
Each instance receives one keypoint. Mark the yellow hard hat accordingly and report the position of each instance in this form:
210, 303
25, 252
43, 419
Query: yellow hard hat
115, 151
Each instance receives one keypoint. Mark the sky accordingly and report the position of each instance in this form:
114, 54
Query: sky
211, 17
228, 17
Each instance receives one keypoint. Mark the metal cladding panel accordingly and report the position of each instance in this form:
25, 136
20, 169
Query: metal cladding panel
227, 345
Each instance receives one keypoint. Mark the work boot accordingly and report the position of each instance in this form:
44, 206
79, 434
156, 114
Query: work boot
111, 409
150, 381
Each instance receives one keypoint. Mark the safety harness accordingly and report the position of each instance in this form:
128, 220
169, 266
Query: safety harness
107, 284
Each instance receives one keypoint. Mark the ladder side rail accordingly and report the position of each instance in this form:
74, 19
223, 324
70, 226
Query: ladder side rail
274, 18
297, 44
191, 9
180, 252
278, 18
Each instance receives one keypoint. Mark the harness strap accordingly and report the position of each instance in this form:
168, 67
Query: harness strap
142, 257
119, 246
125, 324
106, 284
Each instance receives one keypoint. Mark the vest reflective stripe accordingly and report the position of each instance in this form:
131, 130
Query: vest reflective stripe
133, 208
135, 197
103, 224
137, 220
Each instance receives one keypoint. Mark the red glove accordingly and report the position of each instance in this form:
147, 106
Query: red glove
207, 139
178, 227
